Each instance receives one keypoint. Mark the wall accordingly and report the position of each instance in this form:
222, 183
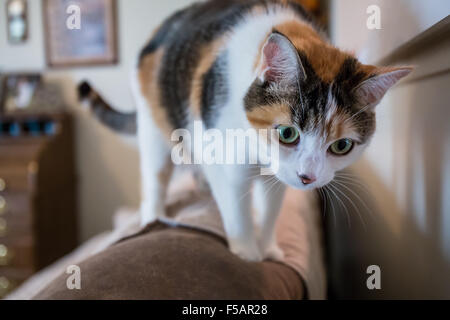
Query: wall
107, 164
400, 21
407, 165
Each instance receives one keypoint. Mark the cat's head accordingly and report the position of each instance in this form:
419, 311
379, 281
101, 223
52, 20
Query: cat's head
322, 103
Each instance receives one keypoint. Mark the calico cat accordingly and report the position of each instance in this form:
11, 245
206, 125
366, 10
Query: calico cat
250, 64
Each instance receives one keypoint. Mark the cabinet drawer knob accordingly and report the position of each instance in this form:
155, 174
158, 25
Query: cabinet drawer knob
3, 251
2, 205
5, 286
3, 225
33, 167
4, 283
2, 184
5, 255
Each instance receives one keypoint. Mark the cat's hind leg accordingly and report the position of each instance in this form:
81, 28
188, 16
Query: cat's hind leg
156, 167
154, 149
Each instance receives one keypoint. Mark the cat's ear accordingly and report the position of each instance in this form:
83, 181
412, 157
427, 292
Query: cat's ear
371, 91
280, 62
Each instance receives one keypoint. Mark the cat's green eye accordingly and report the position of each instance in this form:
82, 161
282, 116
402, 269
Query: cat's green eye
341, 147
288, 134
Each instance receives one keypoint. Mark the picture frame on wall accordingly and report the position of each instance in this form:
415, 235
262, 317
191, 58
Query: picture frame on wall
80, 33
17, 21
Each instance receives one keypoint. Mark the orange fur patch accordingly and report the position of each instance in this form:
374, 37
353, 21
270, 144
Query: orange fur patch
325, 59
148, 74
264, 117
336, 126
209, 55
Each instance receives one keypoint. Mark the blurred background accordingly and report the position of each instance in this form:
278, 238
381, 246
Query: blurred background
401, 187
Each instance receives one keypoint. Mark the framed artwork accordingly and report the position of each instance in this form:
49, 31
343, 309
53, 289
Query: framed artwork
80, 32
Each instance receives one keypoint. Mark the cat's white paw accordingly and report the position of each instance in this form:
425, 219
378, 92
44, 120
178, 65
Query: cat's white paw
249, 252
148, 213
273, 252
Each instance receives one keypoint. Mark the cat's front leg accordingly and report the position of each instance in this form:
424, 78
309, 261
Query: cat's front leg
231, 189
268, 196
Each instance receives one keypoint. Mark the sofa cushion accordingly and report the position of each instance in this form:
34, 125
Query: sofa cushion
164, 262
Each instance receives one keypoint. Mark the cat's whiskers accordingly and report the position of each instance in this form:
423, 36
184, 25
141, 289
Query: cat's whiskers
278, 188
357, 197
272, 178
324, 201
333, 189
353, 182
351, 201
274, 181
360, 111
326, 191
246, 194
253, 177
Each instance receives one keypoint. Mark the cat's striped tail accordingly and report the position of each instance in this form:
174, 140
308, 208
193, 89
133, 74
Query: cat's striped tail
117, 121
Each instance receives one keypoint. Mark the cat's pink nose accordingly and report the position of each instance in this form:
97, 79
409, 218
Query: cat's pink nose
307, 179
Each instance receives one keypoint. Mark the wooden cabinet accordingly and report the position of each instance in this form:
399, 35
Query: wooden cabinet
37, 195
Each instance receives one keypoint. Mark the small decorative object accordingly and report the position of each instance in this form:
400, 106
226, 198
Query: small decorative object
31, 126
81, 32
16, 13
18, 91
28, 92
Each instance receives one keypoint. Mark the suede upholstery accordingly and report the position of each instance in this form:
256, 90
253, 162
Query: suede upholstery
163, 262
